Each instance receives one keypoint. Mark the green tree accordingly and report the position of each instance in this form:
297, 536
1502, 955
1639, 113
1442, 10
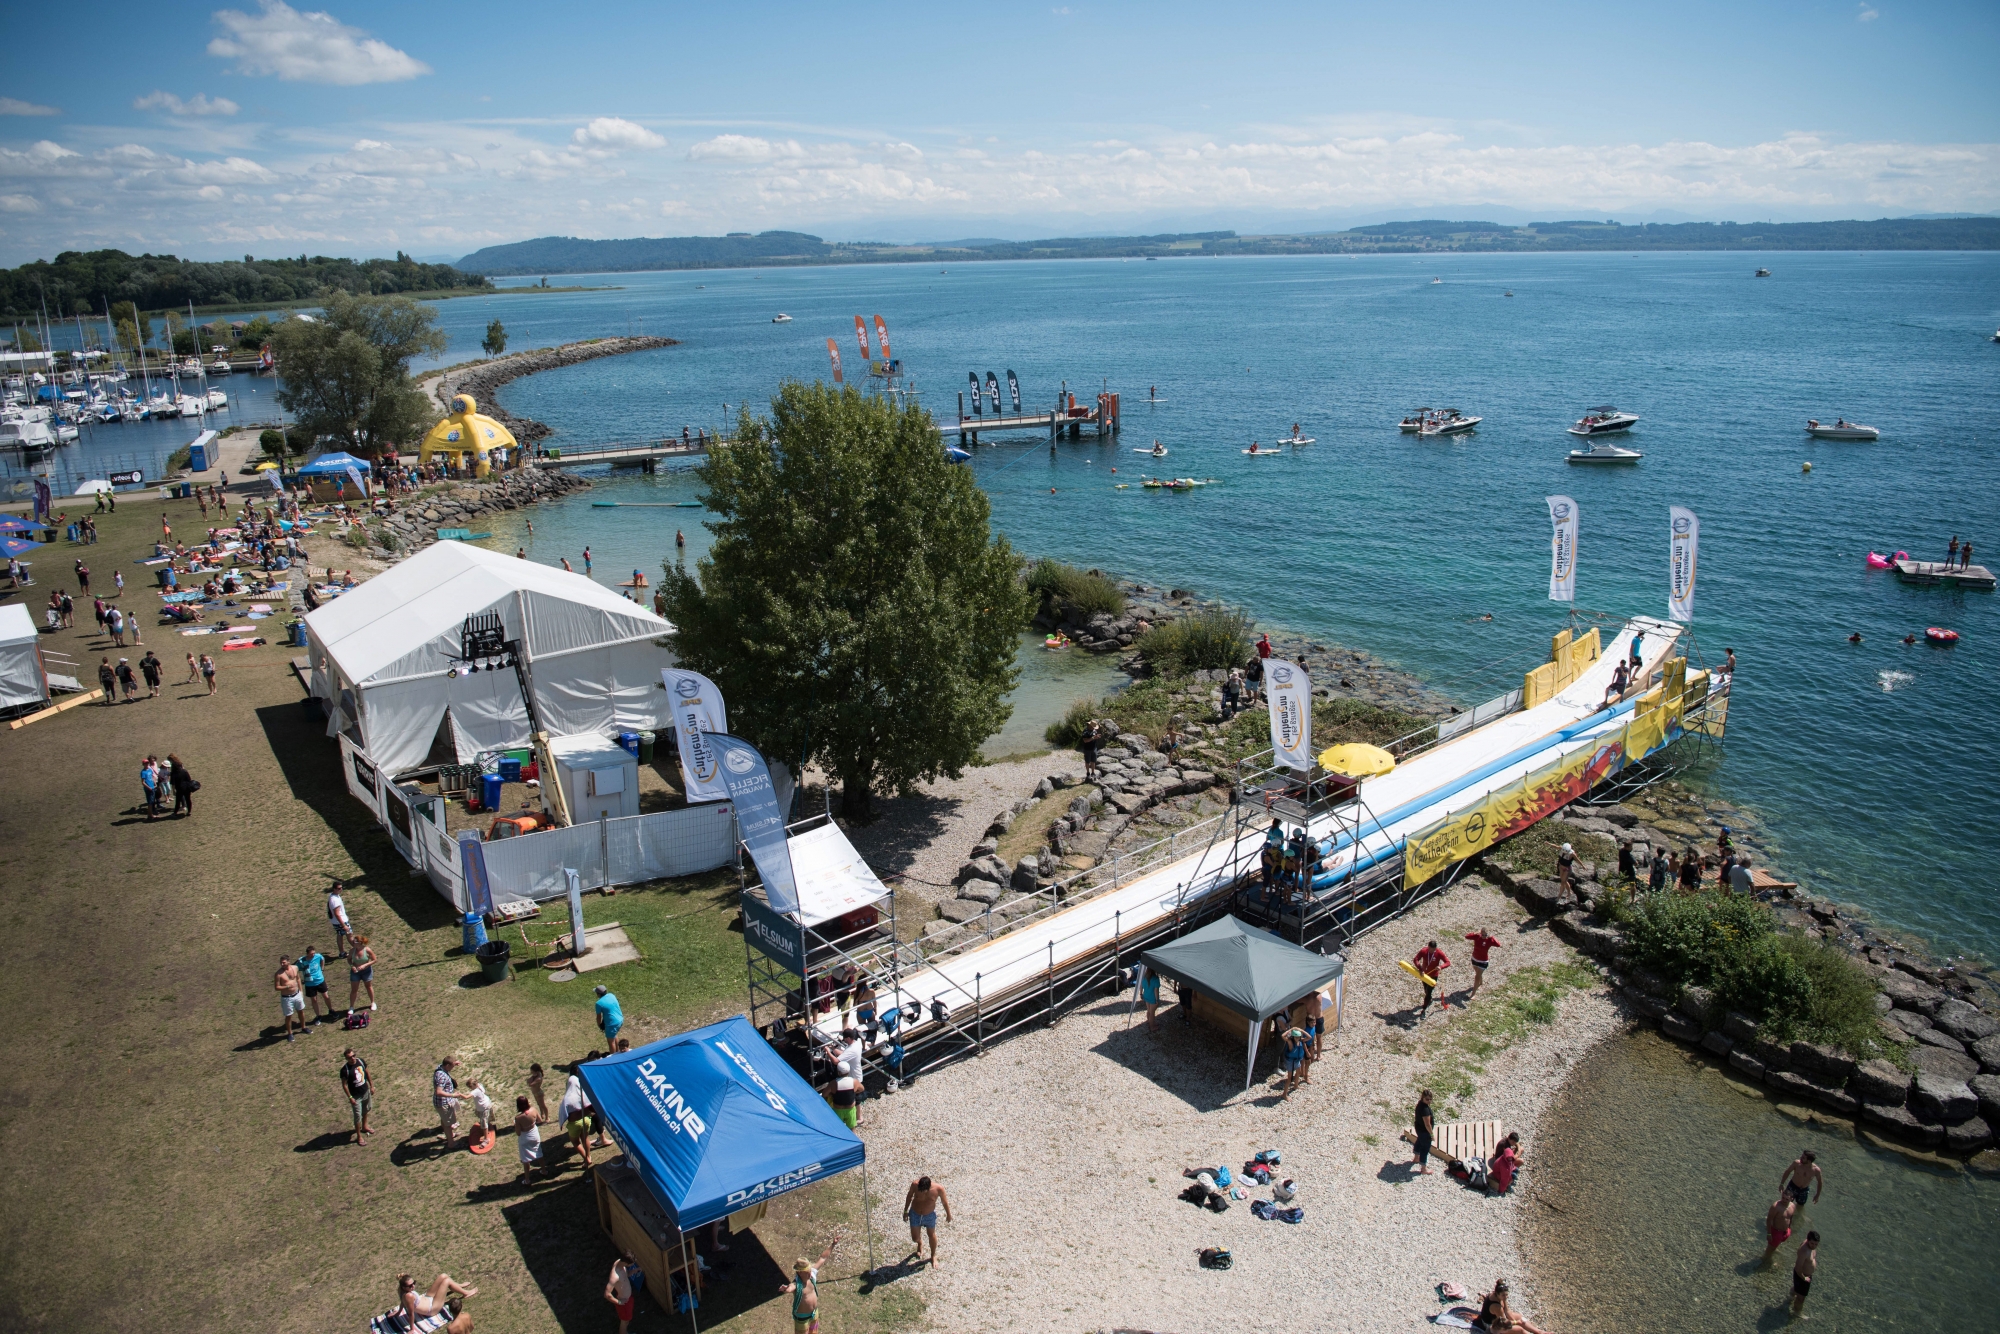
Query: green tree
170, 332
853, 608
25, 340
495, 341
272, 442
346, 374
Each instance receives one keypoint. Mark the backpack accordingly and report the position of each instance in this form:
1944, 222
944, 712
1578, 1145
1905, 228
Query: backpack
1269, 1156
1216, 1257
1222, 1177
359, 1019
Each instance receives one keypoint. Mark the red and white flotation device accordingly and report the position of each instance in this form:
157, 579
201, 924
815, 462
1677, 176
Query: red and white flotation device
1939, 635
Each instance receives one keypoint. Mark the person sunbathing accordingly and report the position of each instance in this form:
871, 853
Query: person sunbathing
422, 1304
1496, 1317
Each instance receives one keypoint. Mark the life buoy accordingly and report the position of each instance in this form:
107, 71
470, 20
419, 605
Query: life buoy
1939, 635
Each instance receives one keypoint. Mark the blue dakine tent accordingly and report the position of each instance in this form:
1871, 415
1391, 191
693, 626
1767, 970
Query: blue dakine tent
715, 1121
333, 465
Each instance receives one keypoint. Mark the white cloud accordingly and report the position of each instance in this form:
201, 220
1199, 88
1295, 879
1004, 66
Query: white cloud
615, 132
1867, 14
201, 104
20, 204
310, 47
14, 106
744, 148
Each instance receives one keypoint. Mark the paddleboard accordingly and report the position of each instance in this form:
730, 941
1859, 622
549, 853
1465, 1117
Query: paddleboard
1259, 453
1415, 972
1296, 440
1156, 453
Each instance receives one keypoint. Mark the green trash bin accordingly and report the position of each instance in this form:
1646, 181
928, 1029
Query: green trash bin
494, 957
645, 747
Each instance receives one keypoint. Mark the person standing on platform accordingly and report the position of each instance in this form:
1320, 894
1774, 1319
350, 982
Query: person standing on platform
610, 1018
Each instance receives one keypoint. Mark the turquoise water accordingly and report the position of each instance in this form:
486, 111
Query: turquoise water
1647, 1191
1868, 762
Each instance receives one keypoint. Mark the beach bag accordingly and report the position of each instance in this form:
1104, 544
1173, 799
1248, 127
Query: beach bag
1269, 1156
1475, 1173
1285, 1190
1261, 1208
1259, 1173
359, 1019
1216, 1257
1222, 1177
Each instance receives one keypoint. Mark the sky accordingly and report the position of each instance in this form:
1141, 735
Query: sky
439, 128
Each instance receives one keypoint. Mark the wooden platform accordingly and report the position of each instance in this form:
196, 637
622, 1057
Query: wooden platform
1929, 573
1466, 1139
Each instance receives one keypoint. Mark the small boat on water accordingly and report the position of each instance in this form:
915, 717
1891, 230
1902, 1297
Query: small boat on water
1605, 452
1606, 420
1158, 451
217, 400
1414, 423
1297, 437
1842, 429
781, 319
1763, 273
1939, 635
1255, 452
1449, 422
1436, 281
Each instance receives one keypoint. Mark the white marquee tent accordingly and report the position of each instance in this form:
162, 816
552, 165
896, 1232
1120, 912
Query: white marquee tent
22, 680
382, 654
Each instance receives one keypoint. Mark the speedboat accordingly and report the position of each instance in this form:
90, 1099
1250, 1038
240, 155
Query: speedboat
1841, 430
1605, 453
1763, 273
219, 366
28, 430
781, 319
1449, 422
1606, 420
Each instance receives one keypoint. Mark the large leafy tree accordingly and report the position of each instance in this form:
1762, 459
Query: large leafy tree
346, 374
853, 609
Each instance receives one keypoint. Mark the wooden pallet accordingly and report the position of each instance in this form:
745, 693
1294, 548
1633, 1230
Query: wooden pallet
1459, 1140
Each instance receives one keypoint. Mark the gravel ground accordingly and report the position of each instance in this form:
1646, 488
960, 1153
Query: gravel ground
925, 838
1062, 1152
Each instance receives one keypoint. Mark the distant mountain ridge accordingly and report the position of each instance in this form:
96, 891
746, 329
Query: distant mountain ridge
569, 254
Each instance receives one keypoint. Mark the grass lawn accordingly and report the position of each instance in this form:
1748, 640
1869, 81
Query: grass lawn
174, 1163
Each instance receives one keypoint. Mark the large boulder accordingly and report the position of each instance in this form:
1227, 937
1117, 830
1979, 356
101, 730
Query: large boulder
1542, 896
1964, 1021
962, 910
1680, 1028
1001, 824
1079, 809
1969, 1136
1717, 1043
1987, 1051
1937, 1037
1910, 994
1697, 1003
989, 868
1025, 871
1774, 1055
1826, 1064
1911, 1022
1748, 1064
1879, 1081
1941, 1100
1986, 1088
1740, 1027
1902, 1123
1954, 1066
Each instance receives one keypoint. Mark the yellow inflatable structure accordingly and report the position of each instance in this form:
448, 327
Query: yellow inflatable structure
466, 431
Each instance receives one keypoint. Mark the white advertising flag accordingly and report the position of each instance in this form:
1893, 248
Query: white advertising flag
1684, 547
1562, 546
1290, 692
697, 712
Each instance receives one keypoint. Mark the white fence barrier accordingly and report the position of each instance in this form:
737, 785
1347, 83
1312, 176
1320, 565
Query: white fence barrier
626, 851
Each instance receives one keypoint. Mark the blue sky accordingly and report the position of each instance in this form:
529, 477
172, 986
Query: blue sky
438, 128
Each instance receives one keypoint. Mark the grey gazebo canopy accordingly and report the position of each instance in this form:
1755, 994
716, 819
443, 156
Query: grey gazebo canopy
1251, 972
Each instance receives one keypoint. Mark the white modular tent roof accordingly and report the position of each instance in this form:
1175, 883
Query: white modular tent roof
382, 654
21, 678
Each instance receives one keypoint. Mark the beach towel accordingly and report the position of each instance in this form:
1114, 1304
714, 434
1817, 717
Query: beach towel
242, 643
397, 1321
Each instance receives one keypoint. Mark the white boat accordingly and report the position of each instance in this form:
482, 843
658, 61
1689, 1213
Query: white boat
217, 400
1606, 420
1605, 452
1414, 423
27, 429
219, 366
1842, 429
1449, 422
1296, 439
1763, 273
189, 405
781, 319
1256, 452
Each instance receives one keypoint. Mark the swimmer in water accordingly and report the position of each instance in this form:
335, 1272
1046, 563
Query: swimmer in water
1909, 639
1854, 638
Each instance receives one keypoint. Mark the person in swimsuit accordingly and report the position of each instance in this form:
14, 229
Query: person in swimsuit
360, 971
1314, 1022
804, 1288
1803, 1270
421, 1304
1298, 1046
1423, 1124
1777, 1225
1149, 992
620, 1292
920, 1206
1804, 1178
1497, 1317
1483, 944
291, 997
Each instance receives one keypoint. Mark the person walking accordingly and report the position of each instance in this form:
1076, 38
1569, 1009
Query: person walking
194, 671
336, 916
1804, 1270
445, 1097
83, 578
183, 784
920, 1206
208, 672
312, 967
149, 780
128, 681
360, 971
1803, 1180
1656, 876
359, 1085
151, 668
1424, 1124
291, 997
527, 1137
1430, 962
1298, 1050
1566, 869
68, 611
622, 1291
535, 1077
1777, 1225
107, 680
610, 1018
114, 621
1483, 945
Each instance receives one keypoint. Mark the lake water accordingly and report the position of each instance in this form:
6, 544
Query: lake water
1866, 762
1648, 1188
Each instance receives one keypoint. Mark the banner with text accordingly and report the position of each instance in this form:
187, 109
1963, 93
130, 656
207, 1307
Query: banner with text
1289, 689
760, 821
1562, 563
833, 351
698, 712
1014, 391
775, 937
882, 338
1684, 544
861, 335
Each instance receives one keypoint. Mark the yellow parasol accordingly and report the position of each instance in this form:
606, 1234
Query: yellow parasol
266, 466
1356, 760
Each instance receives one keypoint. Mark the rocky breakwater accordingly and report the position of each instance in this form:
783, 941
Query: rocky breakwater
413, 524
1941, 1087
483, 381
1071, 828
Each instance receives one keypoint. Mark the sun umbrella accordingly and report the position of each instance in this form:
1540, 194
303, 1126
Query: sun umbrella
10, 524
1356, 760
15, 546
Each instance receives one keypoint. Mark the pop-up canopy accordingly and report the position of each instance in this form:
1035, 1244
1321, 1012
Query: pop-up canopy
1240, 968
333, 465
715, 1121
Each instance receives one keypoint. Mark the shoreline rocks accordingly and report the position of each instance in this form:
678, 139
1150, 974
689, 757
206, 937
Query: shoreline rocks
417, 518
483, 382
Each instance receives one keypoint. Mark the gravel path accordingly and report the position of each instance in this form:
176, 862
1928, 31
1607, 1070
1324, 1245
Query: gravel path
1062, 1152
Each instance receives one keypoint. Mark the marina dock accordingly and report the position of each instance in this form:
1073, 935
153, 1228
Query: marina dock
1932, 573
1067, 417
646, 454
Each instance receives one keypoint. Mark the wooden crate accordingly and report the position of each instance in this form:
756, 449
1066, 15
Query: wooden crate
1459, 1140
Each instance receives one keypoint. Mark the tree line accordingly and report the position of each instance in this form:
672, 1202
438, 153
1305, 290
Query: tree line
78, 283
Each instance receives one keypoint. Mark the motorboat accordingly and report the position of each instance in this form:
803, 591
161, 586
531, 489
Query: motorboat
1606, 420
1436, 281
1415, 421
217, 400
1841, 429
28, 430
1297, 437
219, 366
1449, 422
1763, 273
1605, 453
1158, 450
781, 319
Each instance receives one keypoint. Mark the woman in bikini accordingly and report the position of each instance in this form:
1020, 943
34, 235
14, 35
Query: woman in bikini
360, 971
422, 1305
1496, 1317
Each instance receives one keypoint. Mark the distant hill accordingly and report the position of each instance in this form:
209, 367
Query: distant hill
79, 282
568, 254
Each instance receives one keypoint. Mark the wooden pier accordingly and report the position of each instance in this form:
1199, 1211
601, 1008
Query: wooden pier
1931, 573
1066, 418
646, 454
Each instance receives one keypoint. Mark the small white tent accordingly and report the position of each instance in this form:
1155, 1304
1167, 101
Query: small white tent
383, 652
22, 680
